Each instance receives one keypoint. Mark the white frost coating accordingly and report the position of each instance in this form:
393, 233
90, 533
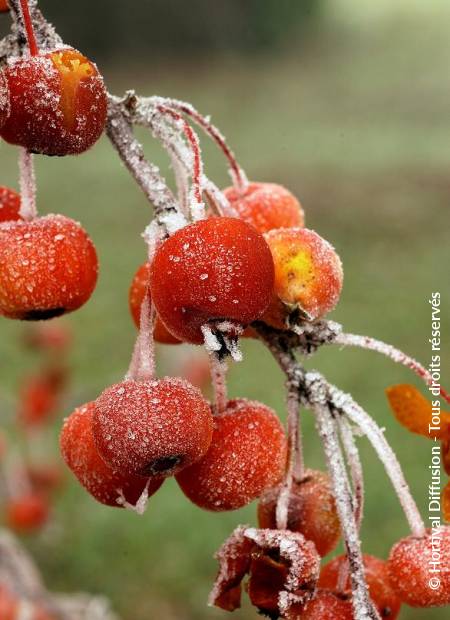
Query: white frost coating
27, 185
25, 610
141, 505
219, 369
356, 470
212, 344
346, 405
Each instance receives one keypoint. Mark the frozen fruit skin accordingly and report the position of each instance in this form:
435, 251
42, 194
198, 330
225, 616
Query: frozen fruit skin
326, 606
377, 578
4, 6
48, 267
215, 269
308, 275
409, 569
312, 511
415, 412
4, 99
57, 103
152, 428
266, 206
247, 456
97, 477
27, 513
9, 204
136, 297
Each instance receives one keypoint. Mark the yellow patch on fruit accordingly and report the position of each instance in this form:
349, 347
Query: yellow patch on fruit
417, 414
72, 67
294, 272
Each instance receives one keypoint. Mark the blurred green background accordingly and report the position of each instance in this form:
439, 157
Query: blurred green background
347, 104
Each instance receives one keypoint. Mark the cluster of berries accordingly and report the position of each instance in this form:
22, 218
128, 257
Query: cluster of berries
208, 282
51, 103
29, 481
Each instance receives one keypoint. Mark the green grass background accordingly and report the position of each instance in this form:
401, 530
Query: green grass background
356, 122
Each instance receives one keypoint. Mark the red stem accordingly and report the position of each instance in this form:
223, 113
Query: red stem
28, 23
194, 144
241, 181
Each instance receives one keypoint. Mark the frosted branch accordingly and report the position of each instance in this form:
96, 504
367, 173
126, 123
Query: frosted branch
366, 342
219, 368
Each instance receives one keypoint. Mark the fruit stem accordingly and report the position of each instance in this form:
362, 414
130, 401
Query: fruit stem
326, 427
366, 342
29, 29
28, 210
219, 369
197, 206
238, 175
295, 464
345, 405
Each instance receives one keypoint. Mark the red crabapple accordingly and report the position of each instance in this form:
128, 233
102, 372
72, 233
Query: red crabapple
308, 276
326, 606
445, 450
213, 270
4, 6
81, 455
48, 266
4, 99
57, 103
9, 204
27, 513
377, 578
45, 478
247, 456
152, 428
410, 569
312, 510
136, 297
38, 401
9, 605
266, 206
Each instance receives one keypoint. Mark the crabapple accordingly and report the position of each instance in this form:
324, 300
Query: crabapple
445, 449
219, 269
136, 296
266, 206
104, 483
4, 100
27, 513
308, 276
9, 204
4, 6
326, 606
57, 103
247, 455
48, 336
153, 428
44, 477
409, 569
48, 266
377, 578
312, 510
38, 400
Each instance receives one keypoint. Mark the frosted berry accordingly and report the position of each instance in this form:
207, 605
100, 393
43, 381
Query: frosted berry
27, 513
4, 6
9, 604
326, 606
409, 569
45, 478
308, 276
48, 266
96, 476
9, 204
312, 510
247, 456
215, 269
266, 206
57, 103
152, 428
136, 297
377, 579
4, 100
